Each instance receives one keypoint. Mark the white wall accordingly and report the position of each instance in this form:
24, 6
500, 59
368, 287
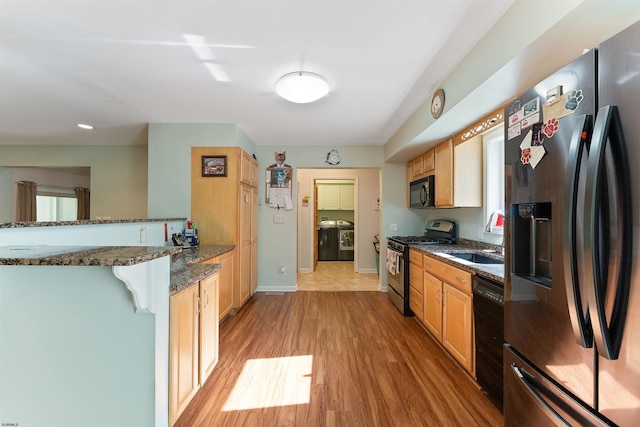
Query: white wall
118, 173
367, 219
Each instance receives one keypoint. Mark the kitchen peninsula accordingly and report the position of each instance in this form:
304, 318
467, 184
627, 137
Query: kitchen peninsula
84, 320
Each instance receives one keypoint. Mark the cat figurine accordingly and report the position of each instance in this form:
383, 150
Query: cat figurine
280, 160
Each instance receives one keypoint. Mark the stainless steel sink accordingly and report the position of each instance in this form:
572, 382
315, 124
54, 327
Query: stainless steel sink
477, 258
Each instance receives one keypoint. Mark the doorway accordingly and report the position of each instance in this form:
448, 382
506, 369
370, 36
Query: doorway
344, 199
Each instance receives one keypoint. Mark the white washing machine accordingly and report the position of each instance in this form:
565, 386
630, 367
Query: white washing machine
346, 239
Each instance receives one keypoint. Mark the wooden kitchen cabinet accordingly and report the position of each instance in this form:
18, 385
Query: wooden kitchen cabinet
209, 326
448, 309
433, 305
421, 166
444, 174
227, 211
193, 341
457, 329
226, 279
416, 284
183, 350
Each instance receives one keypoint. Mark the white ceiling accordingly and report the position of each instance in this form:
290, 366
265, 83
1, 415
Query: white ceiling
120, 64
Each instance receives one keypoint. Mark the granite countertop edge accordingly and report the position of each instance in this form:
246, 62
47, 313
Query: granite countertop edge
83, 222
490, 271
189, 266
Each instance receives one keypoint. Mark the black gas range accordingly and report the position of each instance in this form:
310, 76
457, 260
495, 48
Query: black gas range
435, 232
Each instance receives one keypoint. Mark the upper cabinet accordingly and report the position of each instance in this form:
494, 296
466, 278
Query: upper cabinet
336, 197
444, 175
457, 165
421, 166
467, 173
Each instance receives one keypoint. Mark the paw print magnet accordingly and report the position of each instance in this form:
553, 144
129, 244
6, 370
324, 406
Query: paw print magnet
574, 99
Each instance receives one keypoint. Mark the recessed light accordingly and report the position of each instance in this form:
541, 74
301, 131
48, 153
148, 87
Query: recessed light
85, 126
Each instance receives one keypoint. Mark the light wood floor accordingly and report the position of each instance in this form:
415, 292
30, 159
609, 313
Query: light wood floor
337, 276
333, 359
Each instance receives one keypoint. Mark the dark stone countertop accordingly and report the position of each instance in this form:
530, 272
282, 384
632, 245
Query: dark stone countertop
83, 222
107, 256
442, 253
187, 267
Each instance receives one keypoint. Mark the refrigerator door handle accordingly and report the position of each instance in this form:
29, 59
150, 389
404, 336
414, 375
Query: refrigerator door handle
526, 380
580, 320
599, 268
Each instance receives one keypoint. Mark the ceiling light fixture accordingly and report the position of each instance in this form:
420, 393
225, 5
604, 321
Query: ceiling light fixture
84, 126
302, 87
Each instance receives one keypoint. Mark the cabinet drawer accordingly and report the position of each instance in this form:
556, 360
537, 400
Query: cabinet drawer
454, 276
434, 266
416, 279
460, 279
416, 303
415, 257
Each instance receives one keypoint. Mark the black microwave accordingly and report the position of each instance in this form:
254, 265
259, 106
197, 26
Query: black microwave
422, 193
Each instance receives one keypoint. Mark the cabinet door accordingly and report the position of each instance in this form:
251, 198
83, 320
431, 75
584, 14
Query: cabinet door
347, 194
444, 174
320, 196
183, 350
428, 162
416, 290
244, 254
245, 167
225, 279
433, 305
331, 197
467, 166
457, 333
209, 322
254, 240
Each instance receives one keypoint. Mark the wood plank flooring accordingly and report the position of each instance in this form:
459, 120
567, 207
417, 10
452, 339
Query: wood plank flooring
333, 359
337, 276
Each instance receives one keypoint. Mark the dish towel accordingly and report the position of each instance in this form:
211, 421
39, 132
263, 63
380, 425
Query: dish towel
392, 261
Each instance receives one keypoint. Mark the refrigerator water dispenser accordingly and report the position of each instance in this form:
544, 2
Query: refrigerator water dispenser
532, 235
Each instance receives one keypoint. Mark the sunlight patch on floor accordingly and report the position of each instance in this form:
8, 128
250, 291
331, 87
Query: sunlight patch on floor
265, 383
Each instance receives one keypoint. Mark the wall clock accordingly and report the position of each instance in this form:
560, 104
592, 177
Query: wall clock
333, 158
437, 103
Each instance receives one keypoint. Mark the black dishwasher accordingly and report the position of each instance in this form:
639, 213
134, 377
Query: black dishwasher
488, 312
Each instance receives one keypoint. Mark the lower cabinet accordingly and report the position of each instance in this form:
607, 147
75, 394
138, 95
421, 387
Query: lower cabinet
448, 309
433, 305
193, 341
226, 280
416, 284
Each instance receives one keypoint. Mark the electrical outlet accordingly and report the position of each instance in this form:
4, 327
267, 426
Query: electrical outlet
283, 270
143, 234
393, 227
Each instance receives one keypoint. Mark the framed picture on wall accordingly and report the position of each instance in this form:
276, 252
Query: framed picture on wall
214, 166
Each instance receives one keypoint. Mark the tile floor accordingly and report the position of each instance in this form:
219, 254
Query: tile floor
337, 276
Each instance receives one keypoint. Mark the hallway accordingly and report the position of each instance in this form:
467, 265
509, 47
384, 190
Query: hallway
337, 276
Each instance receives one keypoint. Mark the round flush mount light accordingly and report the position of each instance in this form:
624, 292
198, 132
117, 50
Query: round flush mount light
85, 126
302, 87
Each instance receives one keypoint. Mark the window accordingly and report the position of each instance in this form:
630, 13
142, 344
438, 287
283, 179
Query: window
493, 142
56, 204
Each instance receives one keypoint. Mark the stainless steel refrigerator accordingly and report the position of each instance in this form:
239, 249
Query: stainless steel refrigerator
572, 288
